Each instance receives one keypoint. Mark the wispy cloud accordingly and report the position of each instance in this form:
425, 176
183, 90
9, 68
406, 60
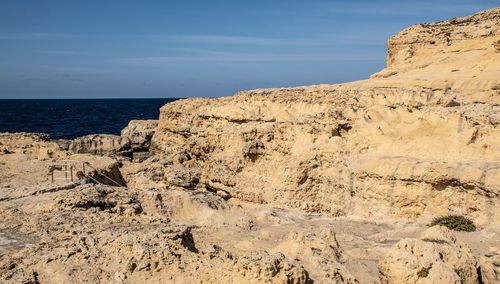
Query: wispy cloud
211, 56
60, 52
52, 35
225, 39
31, 36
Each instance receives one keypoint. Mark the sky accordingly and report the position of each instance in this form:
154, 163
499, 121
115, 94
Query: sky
184, 48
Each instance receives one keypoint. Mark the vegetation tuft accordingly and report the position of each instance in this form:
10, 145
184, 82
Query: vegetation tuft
455, 222
424, 272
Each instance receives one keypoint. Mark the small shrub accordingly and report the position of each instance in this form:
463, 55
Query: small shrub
424, 272
455, 222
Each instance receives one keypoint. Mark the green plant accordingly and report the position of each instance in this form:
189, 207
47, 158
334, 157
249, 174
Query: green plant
424, 272
455, 222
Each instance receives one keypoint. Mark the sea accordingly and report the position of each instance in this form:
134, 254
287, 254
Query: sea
71, 118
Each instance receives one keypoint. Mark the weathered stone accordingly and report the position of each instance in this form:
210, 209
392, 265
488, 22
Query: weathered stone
396, 145
140, 132
101, 144
228, 192
437, 257
139, 157
489, 266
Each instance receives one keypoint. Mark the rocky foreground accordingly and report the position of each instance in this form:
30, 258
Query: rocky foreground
317, 184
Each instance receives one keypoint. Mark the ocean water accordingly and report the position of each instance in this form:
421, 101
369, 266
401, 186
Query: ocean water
76, 117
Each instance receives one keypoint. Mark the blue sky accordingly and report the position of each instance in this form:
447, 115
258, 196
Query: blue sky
132, 48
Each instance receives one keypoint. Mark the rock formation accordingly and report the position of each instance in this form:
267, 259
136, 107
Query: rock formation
133, 143
101, 144
140, 132
418, 139
317, 184
437, 257
489, 267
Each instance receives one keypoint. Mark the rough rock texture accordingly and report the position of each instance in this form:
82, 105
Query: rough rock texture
319, 184
417, 39
417, 140
140, 132
113, 235
100, 144
26, 167
489, 265
133, 143
438, 252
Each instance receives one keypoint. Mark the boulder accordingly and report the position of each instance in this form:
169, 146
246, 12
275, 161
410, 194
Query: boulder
139, 132
437, 257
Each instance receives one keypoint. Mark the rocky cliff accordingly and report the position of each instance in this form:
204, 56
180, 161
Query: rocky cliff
418, 139
318, 184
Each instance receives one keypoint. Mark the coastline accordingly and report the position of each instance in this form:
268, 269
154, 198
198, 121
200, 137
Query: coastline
327, 183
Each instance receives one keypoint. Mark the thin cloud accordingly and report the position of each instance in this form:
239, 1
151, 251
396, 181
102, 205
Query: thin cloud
52, 35
60, 52
31, 36
223, 39
243, 57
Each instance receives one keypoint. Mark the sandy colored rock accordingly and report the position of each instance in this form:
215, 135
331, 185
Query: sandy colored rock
418, 38
489, 265
417, 140
140, 132
104, 234
316, 184
437, 257
100, 144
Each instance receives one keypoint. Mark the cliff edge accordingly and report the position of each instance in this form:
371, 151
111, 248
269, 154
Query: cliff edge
416, 140
317, 184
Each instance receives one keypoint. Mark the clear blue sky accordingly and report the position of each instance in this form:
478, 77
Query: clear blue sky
132, 48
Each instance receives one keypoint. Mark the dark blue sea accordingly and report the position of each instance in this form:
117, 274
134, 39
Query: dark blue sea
75, 117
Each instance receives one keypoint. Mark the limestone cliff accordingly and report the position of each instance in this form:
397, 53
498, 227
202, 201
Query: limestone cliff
418, 139
216, 199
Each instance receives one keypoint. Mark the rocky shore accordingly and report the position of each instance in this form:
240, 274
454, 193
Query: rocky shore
314, 184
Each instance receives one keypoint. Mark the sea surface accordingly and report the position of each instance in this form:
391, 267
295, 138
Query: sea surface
75, 117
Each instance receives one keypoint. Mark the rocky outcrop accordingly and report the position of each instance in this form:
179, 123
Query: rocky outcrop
139, 132
437, 257
242, 189
101, 144
133, 143
417, 39
416, 140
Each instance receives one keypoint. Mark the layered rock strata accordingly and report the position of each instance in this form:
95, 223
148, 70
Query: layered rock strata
418, 139
319, 184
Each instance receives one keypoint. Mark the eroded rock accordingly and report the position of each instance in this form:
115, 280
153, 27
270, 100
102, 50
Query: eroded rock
489, 266
437, 257
397, 145
140, 132
101, 144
